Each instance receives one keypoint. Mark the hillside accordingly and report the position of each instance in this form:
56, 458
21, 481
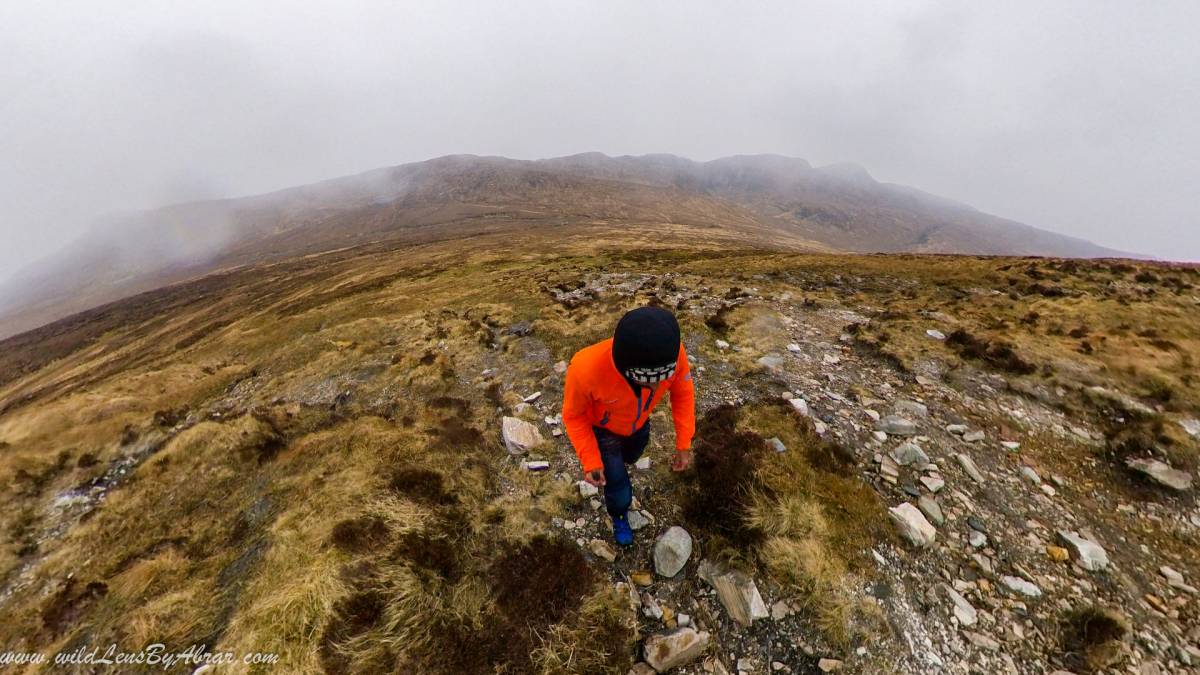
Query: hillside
764, 201
303, 456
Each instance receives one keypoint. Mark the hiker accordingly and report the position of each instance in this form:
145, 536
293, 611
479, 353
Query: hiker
612, 387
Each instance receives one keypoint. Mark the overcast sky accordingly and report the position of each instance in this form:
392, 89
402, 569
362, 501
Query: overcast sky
1080, 117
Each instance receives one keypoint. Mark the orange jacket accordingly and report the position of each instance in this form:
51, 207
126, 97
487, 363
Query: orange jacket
597, 395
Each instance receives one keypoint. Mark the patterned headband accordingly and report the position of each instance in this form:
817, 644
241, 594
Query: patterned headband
650, 375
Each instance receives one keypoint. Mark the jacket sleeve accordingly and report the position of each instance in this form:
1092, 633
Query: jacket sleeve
577, 422
683, 403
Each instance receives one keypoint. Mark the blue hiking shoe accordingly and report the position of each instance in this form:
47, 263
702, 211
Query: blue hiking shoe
622, 533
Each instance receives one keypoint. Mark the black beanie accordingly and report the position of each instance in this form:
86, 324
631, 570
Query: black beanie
647, 337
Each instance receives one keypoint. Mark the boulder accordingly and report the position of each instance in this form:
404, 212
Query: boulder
912, 525
672, 550
519, 436
675, 648
1161, 473
737, 592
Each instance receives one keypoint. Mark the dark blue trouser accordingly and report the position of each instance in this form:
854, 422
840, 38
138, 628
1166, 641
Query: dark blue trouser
617, 451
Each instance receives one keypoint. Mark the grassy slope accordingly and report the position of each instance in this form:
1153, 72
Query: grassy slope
329, 484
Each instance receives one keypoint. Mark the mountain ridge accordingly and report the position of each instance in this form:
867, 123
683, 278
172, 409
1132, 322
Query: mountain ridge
769, 201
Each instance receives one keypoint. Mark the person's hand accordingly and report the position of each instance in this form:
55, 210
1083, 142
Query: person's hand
682, 460
595, 477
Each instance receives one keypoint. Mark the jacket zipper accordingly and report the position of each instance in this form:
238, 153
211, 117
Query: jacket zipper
638, 416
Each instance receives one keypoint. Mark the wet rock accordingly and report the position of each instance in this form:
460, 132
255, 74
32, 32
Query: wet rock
737, 592
1161, 473
675, 648
672, 550
912, 525
519, 436
895, 425
1088, 554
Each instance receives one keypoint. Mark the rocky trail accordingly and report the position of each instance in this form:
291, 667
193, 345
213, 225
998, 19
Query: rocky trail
995, 547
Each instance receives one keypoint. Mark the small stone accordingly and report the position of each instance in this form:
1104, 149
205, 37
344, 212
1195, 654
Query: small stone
1021, 587
672, 550
532, 397
536, 465
828, 665
737, 592
586, 489
963, 611
933, 483
780, 610
637, 520
519, 436
911, 454
956, 429
1161, 473
776, 445
975, 523
968, 465
907, 408
641, 578
772, 362
1030, 475
678, 647
602, 550
721, 344
650, 607
977, 539
1058, 553
643, 464
894, 425
794, 348
1088, 554
912, 525
982, 641
973, 436
800, 405
1011, 446
935, 334
1191, 426
932, 510
560, 367
831, 359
